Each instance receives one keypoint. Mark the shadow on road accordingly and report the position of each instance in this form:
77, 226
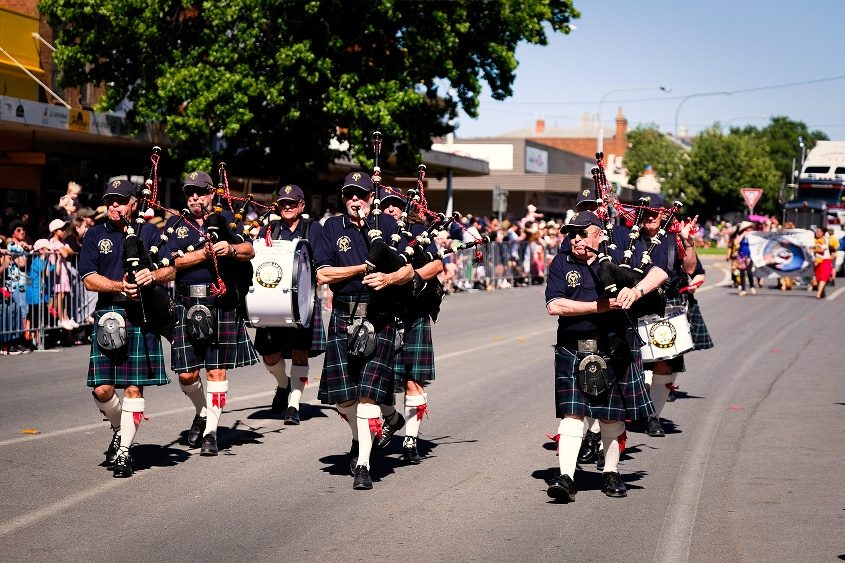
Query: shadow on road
146, 456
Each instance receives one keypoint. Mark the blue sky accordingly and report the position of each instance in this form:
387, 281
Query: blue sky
691, 47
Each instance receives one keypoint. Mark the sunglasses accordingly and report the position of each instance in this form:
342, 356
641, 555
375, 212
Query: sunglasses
349, 192
583, 233
191, 191
288, 202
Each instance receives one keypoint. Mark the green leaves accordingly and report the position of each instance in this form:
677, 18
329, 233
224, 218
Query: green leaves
268, 83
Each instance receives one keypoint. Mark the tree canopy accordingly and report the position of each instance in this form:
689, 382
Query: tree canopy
270, 84
649, 147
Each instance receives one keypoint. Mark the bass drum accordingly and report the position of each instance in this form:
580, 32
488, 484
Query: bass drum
283, 285
665, 337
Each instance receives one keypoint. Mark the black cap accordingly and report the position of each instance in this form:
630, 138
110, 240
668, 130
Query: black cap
587, 196
582, 220
121, 188
393, 198
14, 225
359, 180
292, 192
199, 179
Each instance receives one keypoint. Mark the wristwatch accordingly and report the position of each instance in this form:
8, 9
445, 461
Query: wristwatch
641, 290
232, 251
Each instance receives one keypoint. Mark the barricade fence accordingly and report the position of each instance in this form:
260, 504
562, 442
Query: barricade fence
43, 294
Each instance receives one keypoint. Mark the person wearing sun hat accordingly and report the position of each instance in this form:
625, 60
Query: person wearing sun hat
277, 344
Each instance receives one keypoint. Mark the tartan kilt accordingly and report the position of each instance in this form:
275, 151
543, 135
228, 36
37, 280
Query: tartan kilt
140, 363
231, 347
416, 359
700, 335
271, 340
627, 399
345, 379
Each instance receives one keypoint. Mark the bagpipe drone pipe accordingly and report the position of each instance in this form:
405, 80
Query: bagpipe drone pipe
155, 303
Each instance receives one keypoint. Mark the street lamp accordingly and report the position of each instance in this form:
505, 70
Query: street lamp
701, 95
600, 139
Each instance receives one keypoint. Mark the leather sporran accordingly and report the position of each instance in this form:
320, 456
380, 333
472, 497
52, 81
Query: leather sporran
361, 338
596, 372
201, 324
111, 332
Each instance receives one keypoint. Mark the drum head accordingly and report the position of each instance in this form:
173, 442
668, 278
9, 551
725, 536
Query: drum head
304, 286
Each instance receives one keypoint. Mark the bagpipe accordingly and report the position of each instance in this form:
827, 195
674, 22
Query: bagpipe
613, 276
387, 257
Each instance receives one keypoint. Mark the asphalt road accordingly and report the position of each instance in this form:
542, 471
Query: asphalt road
749, 470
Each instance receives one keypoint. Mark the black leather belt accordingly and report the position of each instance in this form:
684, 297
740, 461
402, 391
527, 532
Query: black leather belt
349, 307
108, 299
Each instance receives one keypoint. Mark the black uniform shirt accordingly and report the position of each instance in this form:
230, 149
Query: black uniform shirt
102, 249
188, 235
342, 243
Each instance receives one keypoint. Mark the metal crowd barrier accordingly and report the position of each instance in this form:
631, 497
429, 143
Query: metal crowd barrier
41, 295
504, 264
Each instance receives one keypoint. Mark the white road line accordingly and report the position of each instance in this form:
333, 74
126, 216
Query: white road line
675, 538
836, 294
494, 344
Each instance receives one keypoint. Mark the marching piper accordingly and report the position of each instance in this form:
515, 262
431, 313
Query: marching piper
277, 344
357, 369
414, 363
681, 267
123, 355
210, 332
597, 367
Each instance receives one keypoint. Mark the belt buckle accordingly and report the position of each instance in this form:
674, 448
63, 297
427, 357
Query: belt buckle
590, 346
199, 291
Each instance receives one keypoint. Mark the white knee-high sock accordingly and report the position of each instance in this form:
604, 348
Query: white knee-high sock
130, 419
111, 410
349, 413
610, 433
660, 390
195, 393
366, 413
415, 407
277, 370
570, 431
298, 380
215, 401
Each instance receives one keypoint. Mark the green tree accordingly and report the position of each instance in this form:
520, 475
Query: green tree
719, 165
649, 147
268, 84
782, 136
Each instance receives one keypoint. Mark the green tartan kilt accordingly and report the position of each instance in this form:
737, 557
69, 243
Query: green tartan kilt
230, 348
416, 359
140, 362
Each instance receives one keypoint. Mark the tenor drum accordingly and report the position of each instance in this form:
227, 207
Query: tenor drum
665, 337
283, 285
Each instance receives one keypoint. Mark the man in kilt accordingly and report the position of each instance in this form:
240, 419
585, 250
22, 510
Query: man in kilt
681, 266
358, 366
210, 332
296, 344
123, 356
414, 363
598, 368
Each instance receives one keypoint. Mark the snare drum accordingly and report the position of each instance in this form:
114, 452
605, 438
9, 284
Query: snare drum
665, 337
283, 285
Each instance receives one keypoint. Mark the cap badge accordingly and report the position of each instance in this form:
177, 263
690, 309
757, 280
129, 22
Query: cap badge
115, 184
288, 189
356, 176
585, 193
193, 176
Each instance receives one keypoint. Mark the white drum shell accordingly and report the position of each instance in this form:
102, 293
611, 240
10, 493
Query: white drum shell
279, 271
665, 337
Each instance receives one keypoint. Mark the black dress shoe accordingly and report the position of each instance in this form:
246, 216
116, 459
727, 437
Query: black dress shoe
589, 447
600, 460
123, 464
389, 428
111, 452
409, 451
671, 397
280, 400
353, 457
362, 479
292, 416
653, 428
613, 485
195, 431
209, 444
562, 488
